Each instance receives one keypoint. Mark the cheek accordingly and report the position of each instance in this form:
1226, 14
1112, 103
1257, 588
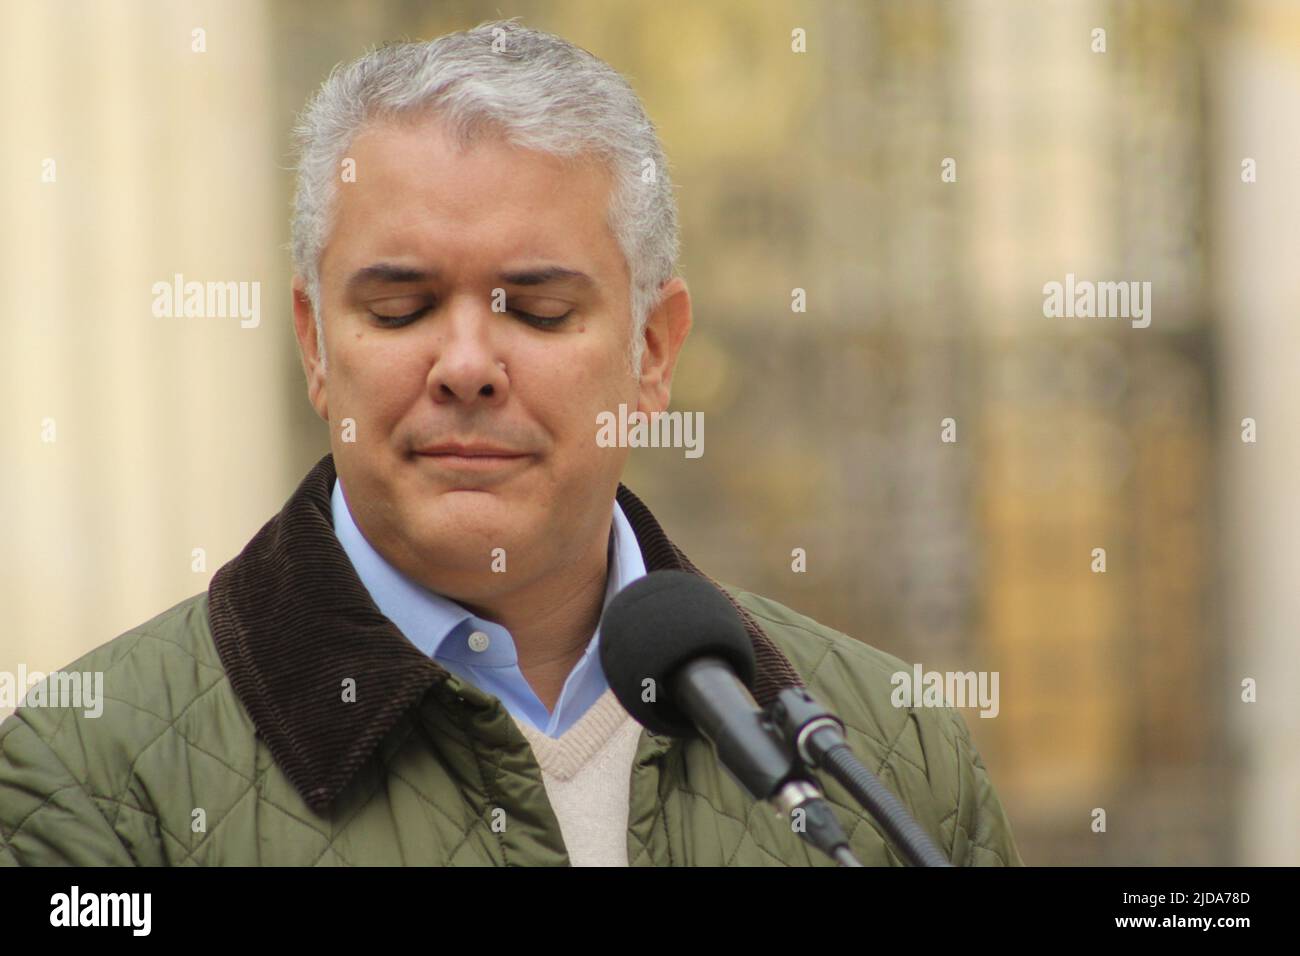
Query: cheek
588, 360
567, 388
375, 382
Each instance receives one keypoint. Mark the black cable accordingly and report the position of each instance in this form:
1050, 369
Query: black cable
906, 833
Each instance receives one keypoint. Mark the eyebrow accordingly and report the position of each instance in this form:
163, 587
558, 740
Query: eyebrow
545, 275
384, 272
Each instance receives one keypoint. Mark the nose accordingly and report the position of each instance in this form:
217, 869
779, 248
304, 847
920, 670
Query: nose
465, 366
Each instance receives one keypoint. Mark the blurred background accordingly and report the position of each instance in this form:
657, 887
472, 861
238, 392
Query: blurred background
130, 441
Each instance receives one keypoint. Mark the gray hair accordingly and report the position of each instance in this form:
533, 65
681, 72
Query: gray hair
538, 90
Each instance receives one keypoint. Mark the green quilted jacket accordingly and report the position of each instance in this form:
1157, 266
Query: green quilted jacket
226, 738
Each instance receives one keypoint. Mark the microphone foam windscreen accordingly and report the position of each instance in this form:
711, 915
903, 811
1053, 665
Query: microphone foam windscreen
656, 625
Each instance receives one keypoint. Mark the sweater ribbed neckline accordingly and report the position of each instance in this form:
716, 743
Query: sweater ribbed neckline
565, 755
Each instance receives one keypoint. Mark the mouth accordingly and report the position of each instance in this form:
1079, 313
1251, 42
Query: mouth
474, 459
476, 462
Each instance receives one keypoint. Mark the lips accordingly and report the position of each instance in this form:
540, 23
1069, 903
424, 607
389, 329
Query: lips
474, 465
471, 451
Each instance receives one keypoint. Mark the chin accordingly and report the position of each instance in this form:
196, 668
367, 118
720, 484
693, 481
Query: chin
456, 514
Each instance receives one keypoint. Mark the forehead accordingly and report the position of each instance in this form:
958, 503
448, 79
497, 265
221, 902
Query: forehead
420, 197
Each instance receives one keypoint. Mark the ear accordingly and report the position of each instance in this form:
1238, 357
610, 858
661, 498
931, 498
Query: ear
309, 349
665, 331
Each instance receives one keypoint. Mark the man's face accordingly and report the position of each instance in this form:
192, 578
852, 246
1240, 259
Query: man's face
417, 357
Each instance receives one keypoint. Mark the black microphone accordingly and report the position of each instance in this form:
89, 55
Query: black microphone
678, 658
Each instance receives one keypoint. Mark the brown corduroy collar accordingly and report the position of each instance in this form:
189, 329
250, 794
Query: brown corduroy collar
291, 621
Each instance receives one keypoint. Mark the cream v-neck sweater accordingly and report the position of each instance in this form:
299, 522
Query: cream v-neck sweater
587, 770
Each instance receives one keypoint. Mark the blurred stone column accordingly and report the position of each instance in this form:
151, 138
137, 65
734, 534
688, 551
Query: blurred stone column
128, 440
1256, 87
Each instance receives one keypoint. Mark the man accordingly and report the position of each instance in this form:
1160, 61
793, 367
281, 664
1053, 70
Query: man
402, 666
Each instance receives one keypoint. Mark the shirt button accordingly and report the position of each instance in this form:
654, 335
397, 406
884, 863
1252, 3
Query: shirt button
478, 641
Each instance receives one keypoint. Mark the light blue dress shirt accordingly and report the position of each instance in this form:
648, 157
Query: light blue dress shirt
479, 651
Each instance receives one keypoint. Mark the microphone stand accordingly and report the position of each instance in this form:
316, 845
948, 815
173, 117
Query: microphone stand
753, 752
816, 737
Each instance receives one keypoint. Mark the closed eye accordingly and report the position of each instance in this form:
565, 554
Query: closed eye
397, 321
540, 321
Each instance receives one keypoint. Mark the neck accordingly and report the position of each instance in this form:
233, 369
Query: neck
552, 619
551, 607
